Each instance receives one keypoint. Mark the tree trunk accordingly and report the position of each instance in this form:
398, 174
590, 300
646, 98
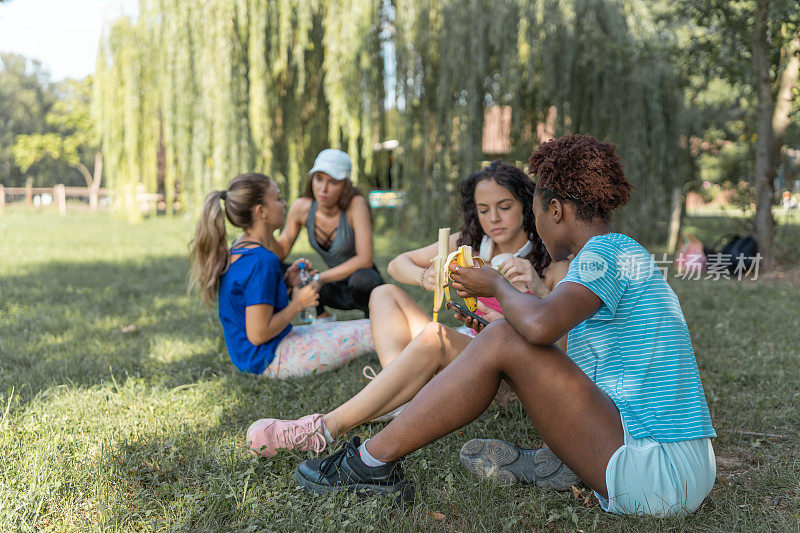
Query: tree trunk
29, 191
763, 169
87, 176
98, 174
783, 102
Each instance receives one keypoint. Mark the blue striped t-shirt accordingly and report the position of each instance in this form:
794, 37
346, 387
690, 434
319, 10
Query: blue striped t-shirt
636, 347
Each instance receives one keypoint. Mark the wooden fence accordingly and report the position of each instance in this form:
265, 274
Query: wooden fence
58, 195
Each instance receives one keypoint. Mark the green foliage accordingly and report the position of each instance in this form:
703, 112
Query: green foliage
264, 85
73, 138
229, 87
717, 60
26, 96
727, 166
604, 65
30, 149
112, 431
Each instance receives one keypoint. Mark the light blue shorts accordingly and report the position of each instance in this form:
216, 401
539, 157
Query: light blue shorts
646, 477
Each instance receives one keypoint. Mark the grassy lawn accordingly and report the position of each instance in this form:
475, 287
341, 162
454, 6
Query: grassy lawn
103, 429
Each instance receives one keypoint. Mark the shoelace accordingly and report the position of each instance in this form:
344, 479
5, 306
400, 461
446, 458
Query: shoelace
336, 457
299, 435
374, 374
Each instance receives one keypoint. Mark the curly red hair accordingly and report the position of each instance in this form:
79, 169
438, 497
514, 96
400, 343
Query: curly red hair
583, 171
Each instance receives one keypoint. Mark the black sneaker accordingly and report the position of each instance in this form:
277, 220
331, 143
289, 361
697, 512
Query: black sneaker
509, 465
344, 470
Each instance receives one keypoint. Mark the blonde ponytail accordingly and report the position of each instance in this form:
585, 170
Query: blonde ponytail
209, 248
210, 255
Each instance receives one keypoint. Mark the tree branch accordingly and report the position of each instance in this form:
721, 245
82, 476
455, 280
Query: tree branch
85, 172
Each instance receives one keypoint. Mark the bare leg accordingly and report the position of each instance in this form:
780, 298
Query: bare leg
430, 351
395, 319
579, 422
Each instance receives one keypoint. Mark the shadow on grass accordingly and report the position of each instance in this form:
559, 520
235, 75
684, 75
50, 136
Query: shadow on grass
63, 323
183, 464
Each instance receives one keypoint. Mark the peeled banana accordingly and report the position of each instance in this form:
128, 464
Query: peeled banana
463, 257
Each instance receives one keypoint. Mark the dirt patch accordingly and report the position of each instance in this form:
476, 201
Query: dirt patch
733, 466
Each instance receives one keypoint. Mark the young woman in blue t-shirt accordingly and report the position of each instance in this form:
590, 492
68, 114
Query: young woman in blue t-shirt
623, 408
252, 294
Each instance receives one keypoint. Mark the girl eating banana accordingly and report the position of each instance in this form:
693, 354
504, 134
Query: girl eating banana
498, 222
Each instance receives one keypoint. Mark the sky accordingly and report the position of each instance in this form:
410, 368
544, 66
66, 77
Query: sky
62, 34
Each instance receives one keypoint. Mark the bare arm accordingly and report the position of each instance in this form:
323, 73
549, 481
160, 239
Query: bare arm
261, 324
541, 321
408, 267
358, 216
295, 219
554, 273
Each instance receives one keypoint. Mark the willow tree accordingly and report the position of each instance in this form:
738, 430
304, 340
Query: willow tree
601, 63
122, 94
224, 87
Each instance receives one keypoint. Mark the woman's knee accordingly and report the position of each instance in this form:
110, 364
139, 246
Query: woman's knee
384, 295
435, 342
433, 332
503, 341
498, 328
386, 292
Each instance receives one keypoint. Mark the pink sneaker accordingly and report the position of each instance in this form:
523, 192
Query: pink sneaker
268, 435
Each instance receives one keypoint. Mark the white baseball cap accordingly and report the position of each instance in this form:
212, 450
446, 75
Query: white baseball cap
334, 163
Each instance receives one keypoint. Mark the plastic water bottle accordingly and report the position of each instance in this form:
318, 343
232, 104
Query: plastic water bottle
309, 314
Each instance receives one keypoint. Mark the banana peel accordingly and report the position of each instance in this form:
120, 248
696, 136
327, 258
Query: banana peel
438, 293
462, 257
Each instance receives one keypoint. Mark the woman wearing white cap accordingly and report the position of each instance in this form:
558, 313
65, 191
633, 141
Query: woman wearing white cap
337, 221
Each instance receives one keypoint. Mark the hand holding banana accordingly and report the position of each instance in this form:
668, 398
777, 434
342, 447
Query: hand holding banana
472, 282
460, 258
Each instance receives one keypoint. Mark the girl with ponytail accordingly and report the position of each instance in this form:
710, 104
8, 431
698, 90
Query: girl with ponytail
252, 294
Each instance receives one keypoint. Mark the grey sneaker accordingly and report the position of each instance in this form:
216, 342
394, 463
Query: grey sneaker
509, 465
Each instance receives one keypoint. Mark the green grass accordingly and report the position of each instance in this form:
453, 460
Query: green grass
139, 431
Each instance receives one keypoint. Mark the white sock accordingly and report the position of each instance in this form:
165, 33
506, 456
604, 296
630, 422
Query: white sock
326, 433
367, 457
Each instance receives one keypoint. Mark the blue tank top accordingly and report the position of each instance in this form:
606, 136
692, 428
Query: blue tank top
255, 278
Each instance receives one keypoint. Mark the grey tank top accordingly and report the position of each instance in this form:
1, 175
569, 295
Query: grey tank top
343, 246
